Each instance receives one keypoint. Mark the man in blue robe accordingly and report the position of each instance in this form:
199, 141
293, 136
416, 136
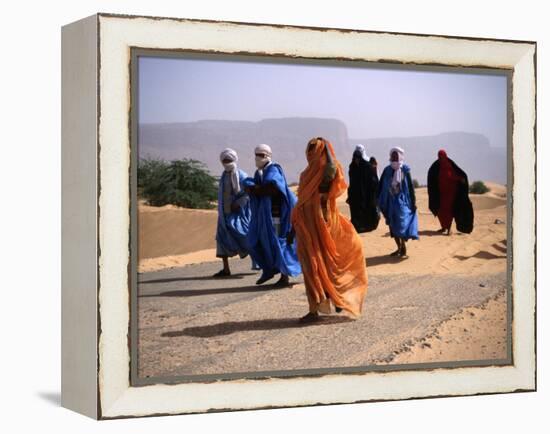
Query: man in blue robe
397, 201
233, 212
271, 202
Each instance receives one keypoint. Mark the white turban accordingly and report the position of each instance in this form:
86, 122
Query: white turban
396, 166
399, 151
262, 149
231, 168
361, 148
229, 154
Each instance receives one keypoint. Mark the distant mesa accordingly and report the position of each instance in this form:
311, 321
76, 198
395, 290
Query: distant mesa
203, 140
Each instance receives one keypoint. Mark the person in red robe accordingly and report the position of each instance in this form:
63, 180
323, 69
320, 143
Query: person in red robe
448, 195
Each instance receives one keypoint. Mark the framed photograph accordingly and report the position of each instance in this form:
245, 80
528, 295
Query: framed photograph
263, 216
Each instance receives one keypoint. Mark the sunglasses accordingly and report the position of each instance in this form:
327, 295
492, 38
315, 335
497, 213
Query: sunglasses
261, 155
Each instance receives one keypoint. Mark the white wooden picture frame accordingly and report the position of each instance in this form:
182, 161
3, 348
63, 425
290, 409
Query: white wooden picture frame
96, 247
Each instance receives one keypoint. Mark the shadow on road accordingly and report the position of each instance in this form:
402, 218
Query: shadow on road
382, 260
482, 254
182, 279
213, 291
227, 328
429, 233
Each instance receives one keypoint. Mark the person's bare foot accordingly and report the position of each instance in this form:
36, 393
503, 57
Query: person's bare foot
309, 318
403, 252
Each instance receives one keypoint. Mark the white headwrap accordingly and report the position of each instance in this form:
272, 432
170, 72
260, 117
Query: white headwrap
231, 168
396, 166
361, 148
262, 149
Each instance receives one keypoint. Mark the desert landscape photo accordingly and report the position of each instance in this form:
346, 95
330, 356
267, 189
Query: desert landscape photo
446, 301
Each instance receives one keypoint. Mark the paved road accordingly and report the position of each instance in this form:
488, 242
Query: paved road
192, 324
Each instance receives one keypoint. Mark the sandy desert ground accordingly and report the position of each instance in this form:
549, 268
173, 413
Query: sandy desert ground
447, 302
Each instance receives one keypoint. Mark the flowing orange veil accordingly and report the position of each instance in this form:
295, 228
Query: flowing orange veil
330, 251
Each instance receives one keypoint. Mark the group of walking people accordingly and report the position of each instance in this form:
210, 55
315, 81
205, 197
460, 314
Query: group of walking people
286, 235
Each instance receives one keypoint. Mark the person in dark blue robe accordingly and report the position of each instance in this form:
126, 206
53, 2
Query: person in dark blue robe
271, 202
397, 201
233, 212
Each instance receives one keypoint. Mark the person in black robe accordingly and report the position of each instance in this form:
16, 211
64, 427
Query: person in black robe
448, 195
363, 184
374, 165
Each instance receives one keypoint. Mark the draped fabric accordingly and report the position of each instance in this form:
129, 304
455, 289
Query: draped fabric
269, 248
232, 227
448, 195
330, 251
448, 183
363, 184
398, 206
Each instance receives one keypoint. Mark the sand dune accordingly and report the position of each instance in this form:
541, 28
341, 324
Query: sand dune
496, 190
170, 231
171, 236
482, 251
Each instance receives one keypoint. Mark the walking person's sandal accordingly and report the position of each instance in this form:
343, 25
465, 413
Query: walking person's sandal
222, 273
309, 318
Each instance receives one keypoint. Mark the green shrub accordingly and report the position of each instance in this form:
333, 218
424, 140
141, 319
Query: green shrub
416, 184
186, 183
148, 170
478, 187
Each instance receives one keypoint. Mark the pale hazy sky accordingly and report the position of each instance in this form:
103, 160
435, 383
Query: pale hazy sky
372, 102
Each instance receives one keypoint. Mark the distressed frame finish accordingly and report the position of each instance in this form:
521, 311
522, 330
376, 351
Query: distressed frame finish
96, 214
135, 379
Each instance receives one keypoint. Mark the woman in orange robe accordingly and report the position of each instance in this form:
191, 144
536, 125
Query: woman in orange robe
329, 249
